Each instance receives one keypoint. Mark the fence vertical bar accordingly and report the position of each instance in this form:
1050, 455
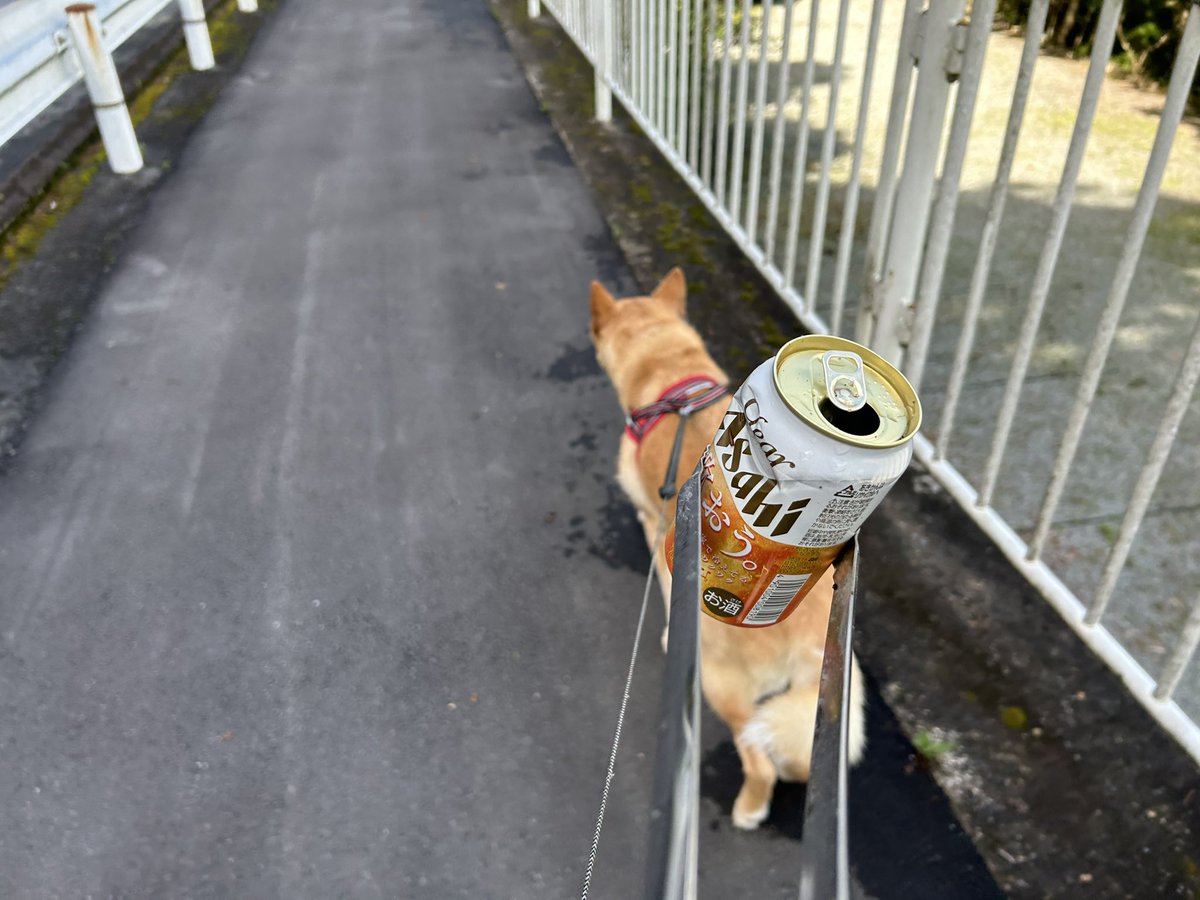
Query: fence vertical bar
756, 141
850, 208
673, 76
603, 56
885, 188
816, 240
1034, 26
534, 9
800, 156
1105, 33
710, 100
775, 173
734, 202
941, 226
684, 75
1182, 74
104, 89
723, 106
1180, 657
249, 6
1156, 459
693, 143
660, 57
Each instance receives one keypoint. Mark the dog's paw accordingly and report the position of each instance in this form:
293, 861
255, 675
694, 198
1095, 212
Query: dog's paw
748, 821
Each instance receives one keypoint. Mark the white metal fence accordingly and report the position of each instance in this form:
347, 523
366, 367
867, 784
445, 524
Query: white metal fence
48, 46
772, 113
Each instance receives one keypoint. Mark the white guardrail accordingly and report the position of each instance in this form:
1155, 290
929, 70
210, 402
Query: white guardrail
48, 46
684, 69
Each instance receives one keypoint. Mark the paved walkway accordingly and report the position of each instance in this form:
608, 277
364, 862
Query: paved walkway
315, 579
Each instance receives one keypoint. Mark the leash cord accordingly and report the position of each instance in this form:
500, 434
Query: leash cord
667, 491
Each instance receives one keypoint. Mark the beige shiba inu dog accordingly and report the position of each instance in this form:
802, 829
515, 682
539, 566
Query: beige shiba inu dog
762, 681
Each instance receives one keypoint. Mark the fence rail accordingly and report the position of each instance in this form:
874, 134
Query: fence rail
733, 93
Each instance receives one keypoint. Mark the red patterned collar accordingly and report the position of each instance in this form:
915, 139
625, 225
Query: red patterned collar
685, 396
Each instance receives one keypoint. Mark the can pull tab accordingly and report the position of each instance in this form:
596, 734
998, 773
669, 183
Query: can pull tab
845, 379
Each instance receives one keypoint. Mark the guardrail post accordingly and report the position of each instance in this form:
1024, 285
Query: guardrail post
603, 43
104, 89
535, 8
247, 6
195, 34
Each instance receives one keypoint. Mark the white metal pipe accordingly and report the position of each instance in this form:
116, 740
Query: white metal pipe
673, 76
941, 226
1034, 26
775, 173
756, 141
686, 40
734, 201
1180, 657
915, 189
104, 89
710, 101
602, 30
249, 6
885, 188
534, 8
1182, 73
637, 43
800, 155
850, 208
195, 34
1105, 32
653, 52
723, 105
660, 57
816, 240
1156, 459
693, 144
1174, 720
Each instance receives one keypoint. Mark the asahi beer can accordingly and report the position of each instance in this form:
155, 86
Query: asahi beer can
811, 443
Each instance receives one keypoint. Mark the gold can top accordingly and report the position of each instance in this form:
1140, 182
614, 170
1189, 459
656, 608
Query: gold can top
847, 391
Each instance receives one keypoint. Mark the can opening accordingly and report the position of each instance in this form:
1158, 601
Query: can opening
861, 422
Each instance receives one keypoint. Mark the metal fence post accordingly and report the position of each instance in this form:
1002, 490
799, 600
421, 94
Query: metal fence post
247, 6
898, 278
104, 88
195, 34
535, 8
603, 53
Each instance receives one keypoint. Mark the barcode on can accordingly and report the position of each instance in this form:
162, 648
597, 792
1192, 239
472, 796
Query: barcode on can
775, 599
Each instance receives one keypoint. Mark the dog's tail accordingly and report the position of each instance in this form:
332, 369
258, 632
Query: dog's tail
782, 727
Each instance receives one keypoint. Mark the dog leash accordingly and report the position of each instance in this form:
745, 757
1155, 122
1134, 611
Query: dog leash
666, 492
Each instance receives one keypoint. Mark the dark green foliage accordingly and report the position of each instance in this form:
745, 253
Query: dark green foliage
1147, 38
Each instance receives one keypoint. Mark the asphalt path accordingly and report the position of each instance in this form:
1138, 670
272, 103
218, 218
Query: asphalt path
314, 579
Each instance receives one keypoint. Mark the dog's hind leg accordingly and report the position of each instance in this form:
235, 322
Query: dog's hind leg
753, 801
